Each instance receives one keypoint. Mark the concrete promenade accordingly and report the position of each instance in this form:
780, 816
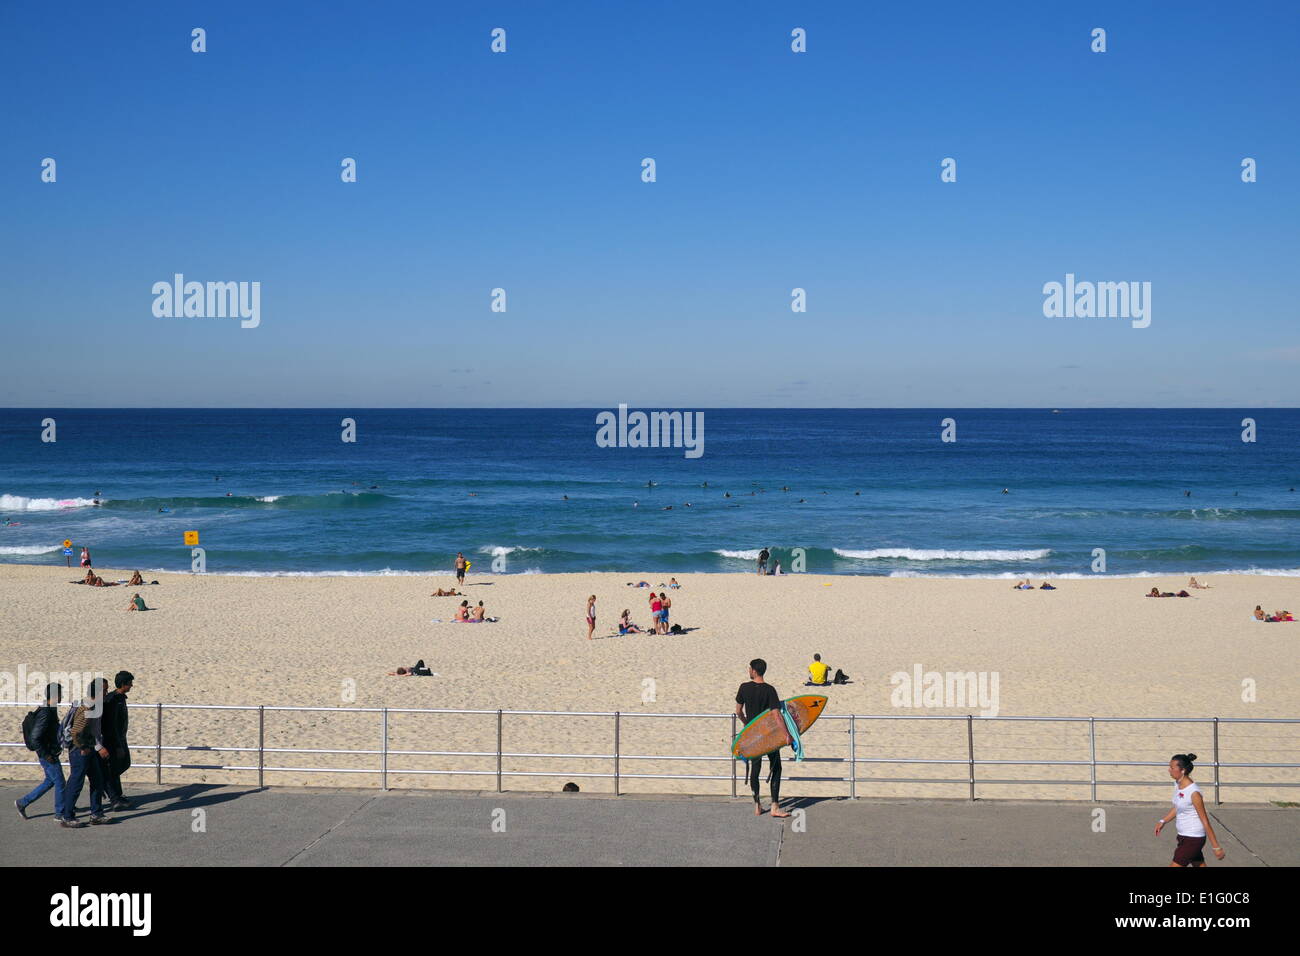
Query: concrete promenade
210, 825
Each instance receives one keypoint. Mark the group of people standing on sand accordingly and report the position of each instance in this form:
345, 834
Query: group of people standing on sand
660, 606
93, 732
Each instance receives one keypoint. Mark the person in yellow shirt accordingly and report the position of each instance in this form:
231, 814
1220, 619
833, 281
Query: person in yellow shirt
819, 671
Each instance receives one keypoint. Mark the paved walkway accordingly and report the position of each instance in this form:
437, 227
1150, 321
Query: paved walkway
208, 825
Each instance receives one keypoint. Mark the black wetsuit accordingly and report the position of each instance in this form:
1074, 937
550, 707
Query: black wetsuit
754, 699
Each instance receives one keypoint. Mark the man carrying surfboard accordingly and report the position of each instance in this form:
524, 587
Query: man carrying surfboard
754, 697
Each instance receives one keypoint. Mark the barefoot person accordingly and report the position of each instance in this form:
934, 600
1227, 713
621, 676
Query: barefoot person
754, 697
461, 565
1193, 824
591, 616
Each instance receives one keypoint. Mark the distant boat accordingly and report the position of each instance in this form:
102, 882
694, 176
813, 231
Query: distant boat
1056, 411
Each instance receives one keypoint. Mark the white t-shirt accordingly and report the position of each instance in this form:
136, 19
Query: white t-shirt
1188, 821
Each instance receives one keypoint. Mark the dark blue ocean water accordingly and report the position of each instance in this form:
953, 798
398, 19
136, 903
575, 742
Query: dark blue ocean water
871, 491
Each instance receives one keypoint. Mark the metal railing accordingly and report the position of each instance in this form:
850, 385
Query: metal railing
617, 773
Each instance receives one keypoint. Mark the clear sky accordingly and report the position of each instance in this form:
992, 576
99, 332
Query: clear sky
775, 170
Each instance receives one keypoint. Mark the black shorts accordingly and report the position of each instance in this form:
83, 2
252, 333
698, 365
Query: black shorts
1190, 850
460, 574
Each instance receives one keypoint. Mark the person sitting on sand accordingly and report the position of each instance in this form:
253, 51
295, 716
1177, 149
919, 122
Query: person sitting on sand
1193, 583
136, 581
672, 583
819, 671
1047, 587
625, 625
462, 613
137, 603
477, 614
89, 578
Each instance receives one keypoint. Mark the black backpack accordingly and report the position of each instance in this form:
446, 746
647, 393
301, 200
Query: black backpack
841, 677
29, 726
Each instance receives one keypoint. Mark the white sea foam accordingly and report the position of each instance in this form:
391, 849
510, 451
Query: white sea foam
923, 554
738, 555
22, 503
269, 498
502, 551
29, 549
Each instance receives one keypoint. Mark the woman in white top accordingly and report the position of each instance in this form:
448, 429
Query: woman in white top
1193, 824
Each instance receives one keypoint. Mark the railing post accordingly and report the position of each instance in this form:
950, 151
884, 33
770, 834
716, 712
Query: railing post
1092, 745
383, 770
970, 750
261, 746
157, 760
498, 751
853, 758
616, 751
1217, 771
733, 758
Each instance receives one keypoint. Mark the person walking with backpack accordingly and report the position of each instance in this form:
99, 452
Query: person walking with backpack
113, 732
41, 734
82, 734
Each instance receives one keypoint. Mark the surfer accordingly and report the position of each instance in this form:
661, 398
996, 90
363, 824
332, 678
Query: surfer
1193, 824
754, 697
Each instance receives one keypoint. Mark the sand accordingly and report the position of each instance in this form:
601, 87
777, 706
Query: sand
1094, 647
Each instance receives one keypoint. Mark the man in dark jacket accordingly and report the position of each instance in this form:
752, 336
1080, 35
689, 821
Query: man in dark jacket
114, 735
45, 737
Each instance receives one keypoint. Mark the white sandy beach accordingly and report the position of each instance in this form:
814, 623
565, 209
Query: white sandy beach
1094, 647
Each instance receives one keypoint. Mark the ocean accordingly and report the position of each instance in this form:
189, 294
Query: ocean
871, 491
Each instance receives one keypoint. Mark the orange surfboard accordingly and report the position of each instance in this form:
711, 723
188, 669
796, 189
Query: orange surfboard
767, 731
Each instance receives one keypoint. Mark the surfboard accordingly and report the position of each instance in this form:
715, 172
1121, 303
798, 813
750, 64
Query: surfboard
767, 731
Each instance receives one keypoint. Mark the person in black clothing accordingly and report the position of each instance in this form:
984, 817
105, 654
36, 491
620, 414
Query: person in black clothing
754, 697
762, 561
114, 735
45, 736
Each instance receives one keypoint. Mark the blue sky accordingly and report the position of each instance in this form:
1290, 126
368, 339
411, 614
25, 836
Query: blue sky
776, 170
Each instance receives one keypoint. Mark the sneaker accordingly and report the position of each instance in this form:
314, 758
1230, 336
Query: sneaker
22, 810
70, 824
99, 820
121, 805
